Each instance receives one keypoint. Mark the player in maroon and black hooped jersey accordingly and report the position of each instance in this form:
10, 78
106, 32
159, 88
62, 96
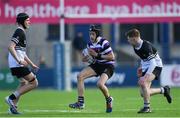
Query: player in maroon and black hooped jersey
150, 69
102, 66
18, 62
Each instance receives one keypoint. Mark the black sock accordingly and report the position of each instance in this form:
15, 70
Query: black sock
81, 99
12, 97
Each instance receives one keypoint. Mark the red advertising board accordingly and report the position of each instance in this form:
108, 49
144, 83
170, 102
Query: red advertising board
92, 11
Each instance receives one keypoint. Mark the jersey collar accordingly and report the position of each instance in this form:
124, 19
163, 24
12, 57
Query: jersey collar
98, 39
140, 42
21, 28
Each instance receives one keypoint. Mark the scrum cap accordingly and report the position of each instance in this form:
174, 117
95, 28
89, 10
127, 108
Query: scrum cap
21, 17
96, 29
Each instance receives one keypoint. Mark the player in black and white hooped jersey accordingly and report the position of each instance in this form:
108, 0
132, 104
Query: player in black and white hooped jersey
150, 69
101, 58
18, 62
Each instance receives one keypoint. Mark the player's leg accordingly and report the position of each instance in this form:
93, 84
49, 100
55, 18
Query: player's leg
15, 101
163, 90
144, 83
101, 84
32, 83
153, 91
146, 92
167, 93
22, 83
107, 72
156, 72
84, 74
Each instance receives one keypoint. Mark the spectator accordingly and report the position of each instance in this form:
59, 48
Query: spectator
42, 62
78, 44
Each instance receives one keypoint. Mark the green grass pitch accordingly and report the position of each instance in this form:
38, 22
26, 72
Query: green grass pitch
53, 103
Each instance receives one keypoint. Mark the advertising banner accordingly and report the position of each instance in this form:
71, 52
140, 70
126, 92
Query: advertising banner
124, 76
7, 81
92, 11
171, 75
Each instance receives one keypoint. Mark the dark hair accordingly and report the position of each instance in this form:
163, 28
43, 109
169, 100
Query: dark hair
21, 17
133, 33
96, 29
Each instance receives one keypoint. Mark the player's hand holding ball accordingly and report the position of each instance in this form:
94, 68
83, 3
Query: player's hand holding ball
87, 57
92, 52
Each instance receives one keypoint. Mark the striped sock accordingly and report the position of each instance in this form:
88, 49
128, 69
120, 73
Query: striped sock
162, 90
81, 99
108, 99
17, 94
146, 104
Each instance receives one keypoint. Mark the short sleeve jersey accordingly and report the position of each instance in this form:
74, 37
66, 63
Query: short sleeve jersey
103, 47
147, 51
19, 38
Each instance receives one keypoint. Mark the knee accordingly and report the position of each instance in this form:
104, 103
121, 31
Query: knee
34, 83
99, 85
141, 94
22, 83
79, 77
142, 83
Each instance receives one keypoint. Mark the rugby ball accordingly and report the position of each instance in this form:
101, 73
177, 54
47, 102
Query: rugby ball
89, 57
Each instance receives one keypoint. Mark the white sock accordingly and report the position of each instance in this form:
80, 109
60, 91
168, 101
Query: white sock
17, 94
162, 90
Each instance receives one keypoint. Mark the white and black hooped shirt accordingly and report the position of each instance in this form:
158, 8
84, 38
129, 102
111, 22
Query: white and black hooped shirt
19, 38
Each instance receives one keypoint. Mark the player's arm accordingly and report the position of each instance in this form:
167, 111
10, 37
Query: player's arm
150, 69
85, 55
152, 66
151, 58
84, 58
14, 41
139, 72
26, 58
12, 50
110, 56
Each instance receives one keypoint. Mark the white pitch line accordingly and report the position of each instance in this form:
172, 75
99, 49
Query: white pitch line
154, 109
47, 110
58, 111
89, 111
84, 111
